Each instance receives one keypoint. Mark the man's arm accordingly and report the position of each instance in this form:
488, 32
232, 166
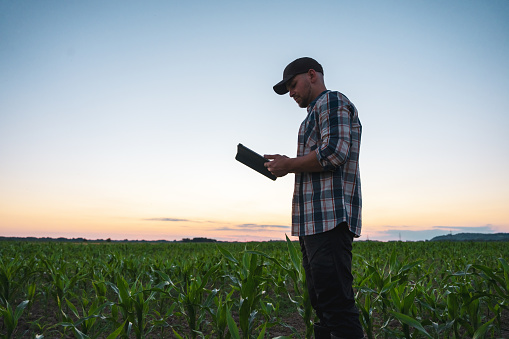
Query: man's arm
281, 165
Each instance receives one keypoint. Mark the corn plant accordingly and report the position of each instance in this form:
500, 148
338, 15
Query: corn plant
85, 325
133, 303
302, 299
247, 280
192, 300
239, 290
14, 273
61, 281
219, 313
234, 331
11, 317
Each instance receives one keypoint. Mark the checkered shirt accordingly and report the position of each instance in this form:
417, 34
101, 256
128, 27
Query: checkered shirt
322, 200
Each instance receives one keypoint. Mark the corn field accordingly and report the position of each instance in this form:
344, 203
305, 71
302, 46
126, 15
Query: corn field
246, 290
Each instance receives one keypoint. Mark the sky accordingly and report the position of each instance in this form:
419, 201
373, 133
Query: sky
121, 119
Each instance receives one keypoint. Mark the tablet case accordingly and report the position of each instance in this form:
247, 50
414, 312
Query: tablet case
253, 160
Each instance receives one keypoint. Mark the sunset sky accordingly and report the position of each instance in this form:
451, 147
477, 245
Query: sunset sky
120, 119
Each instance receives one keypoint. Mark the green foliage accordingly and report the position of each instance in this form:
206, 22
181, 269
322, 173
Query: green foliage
234, 290
11, 317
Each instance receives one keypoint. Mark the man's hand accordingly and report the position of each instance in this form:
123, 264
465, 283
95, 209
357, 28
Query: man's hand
281, 165
278, 164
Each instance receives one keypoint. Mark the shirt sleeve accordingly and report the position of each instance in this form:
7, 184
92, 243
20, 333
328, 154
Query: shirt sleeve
334, 123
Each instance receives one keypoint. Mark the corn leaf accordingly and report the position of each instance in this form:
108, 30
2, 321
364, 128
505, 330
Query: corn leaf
232, 326
405, 319
117, 332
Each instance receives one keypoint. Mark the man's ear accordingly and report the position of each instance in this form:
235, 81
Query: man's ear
313, 77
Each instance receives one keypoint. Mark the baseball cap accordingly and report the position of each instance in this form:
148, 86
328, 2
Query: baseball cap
298, 66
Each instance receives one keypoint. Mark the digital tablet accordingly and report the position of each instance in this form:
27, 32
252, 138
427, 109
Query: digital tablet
253, 160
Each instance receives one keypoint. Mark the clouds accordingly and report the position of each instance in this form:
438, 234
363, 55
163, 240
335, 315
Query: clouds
218, 229
262, 226
167, 219
232, 231
96, 132
254, 228
225, 226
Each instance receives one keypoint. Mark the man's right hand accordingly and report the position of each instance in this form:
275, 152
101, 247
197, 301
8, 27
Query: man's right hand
278, 164
281, 165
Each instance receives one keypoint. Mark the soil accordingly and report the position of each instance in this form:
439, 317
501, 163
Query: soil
28, 327
40, 314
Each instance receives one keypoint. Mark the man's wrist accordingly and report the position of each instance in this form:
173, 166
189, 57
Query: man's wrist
290, 165
306, 163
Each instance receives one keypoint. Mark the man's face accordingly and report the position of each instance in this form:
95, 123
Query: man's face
299, 88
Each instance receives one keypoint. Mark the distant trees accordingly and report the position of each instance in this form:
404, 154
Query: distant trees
473, 237
198, 240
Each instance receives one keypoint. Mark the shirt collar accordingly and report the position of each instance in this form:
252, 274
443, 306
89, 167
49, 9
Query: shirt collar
312, 104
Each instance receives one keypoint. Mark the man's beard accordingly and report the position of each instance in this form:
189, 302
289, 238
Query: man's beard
303, 102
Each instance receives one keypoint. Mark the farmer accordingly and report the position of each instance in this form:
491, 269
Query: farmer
327, 195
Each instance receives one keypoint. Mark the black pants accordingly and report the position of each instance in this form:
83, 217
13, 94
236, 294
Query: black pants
327, 261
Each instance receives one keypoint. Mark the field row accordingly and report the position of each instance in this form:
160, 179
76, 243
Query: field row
245, 290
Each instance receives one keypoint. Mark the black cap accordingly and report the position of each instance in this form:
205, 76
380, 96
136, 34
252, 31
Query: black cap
299, 66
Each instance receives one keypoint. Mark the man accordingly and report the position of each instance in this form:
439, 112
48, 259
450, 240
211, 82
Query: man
327, 197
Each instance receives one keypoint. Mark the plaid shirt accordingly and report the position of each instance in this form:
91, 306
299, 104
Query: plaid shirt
322, 200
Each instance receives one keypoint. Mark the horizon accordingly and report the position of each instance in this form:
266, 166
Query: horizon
204, 239
400, 238
121, 120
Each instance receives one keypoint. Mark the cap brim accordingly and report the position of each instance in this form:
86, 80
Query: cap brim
280, 88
